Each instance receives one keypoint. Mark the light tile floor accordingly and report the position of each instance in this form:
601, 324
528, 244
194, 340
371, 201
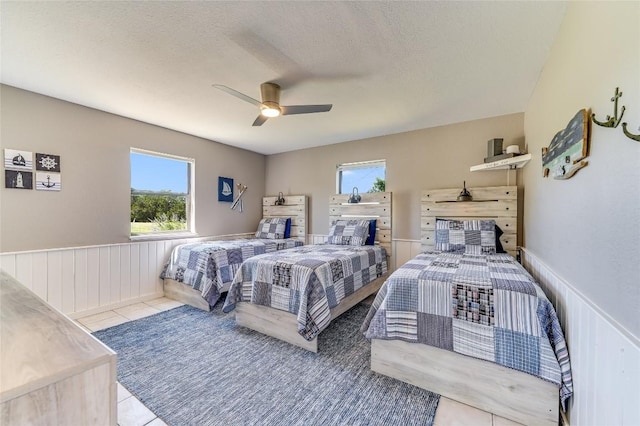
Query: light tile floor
132, 412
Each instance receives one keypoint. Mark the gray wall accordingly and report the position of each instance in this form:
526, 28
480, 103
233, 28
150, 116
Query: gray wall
587, 228
438, 157
93, 206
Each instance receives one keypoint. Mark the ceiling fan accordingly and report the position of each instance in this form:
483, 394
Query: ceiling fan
270, 106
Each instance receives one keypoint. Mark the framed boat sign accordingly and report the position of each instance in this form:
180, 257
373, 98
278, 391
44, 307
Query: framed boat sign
566, 153
225, 189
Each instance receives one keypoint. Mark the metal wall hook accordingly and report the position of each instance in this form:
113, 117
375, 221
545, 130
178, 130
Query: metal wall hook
629, 134
615, 120
355, 197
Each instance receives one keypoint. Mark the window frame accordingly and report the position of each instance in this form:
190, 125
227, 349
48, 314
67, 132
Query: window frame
357, 165
190, 230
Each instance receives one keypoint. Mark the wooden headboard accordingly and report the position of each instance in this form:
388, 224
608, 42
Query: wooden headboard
373, 205
295, 207
499, 203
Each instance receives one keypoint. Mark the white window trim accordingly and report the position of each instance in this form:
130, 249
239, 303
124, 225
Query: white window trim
191, 205
358, 165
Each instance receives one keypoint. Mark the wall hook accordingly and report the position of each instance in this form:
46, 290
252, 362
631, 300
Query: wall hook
611, 121
629, 134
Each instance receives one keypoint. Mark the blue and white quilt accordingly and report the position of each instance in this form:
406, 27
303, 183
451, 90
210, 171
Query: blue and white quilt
307, 281
209, 266
484, 306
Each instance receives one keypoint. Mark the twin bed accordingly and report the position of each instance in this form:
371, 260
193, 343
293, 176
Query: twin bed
198, 273
459, 319
294, 294
469, 324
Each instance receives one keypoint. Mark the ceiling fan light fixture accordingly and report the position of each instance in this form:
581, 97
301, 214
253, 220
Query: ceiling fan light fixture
270, 111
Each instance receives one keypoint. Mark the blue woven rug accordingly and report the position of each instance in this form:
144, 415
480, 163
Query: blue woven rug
192, 367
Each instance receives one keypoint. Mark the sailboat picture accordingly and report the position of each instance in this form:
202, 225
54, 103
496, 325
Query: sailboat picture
225, 189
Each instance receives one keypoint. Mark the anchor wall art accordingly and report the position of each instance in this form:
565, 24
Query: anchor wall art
48, 181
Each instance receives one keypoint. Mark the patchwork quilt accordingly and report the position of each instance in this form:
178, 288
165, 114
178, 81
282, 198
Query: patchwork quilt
209, 265
307, 281
484, 306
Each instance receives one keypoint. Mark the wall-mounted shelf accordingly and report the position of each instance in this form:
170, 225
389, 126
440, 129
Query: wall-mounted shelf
508, 163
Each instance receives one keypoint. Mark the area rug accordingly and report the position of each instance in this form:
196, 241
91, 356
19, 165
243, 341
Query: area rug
192, 367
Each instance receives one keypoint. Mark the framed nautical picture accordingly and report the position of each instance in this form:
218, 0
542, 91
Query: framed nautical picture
18, 179
19, 160
568, 149
225, 189
48, 181
47, 162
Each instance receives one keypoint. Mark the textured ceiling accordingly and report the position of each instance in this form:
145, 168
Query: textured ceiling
387, 67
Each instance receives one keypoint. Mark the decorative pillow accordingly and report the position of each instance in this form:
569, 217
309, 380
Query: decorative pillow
272, 228
287, 228
499, 232
499, 248
349, 232
466, 236
371, 239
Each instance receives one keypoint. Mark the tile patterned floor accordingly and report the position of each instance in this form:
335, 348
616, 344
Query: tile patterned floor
132, 412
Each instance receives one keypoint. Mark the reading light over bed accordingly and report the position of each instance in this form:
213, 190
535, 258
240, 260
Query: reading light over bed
464, 194
355, 197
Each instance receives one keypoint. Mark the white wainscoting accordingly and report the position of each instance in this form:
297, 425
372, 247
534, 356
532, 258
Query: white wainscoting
80, 281
605, 358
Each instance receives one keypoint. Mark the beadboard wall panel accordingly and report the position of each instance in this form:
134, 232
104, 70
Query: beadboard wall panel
81, 281
605, 358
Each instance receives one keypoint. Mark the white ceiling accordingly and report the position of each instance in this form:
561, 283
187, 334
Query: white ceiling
387, 67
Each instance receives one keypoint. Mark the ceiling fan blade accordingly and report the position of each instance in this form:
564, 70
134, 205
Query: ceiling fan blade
304, 109
260, 120
237, 94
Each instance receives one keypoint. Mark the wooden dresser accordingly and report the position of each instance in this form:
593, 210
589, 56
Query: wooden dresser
52, 372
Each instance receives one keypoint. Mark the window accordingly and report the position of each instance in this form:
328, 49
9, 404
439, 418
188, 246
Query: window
161, 193
367, 176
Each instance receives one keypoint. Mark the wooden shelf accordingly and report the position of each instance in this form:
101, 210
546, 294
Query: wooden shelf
508, 163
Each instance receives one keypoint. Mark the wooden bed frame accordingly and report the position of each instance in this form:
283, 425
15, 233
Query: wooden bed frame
490, 387
284, 325
295, 207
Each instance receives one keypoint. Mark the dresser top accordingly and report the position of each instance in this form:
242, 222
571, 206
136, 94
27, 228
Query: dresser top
38, 344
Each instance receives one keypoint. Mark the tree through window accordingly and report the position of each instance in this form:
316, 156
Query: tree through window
367, 176
161, 193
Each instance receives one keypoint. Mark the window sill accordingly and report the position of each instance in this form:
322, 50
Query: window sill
163, 236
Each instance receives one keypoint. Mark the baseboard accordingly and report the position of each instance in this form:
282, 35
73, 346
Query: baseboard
105, 308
